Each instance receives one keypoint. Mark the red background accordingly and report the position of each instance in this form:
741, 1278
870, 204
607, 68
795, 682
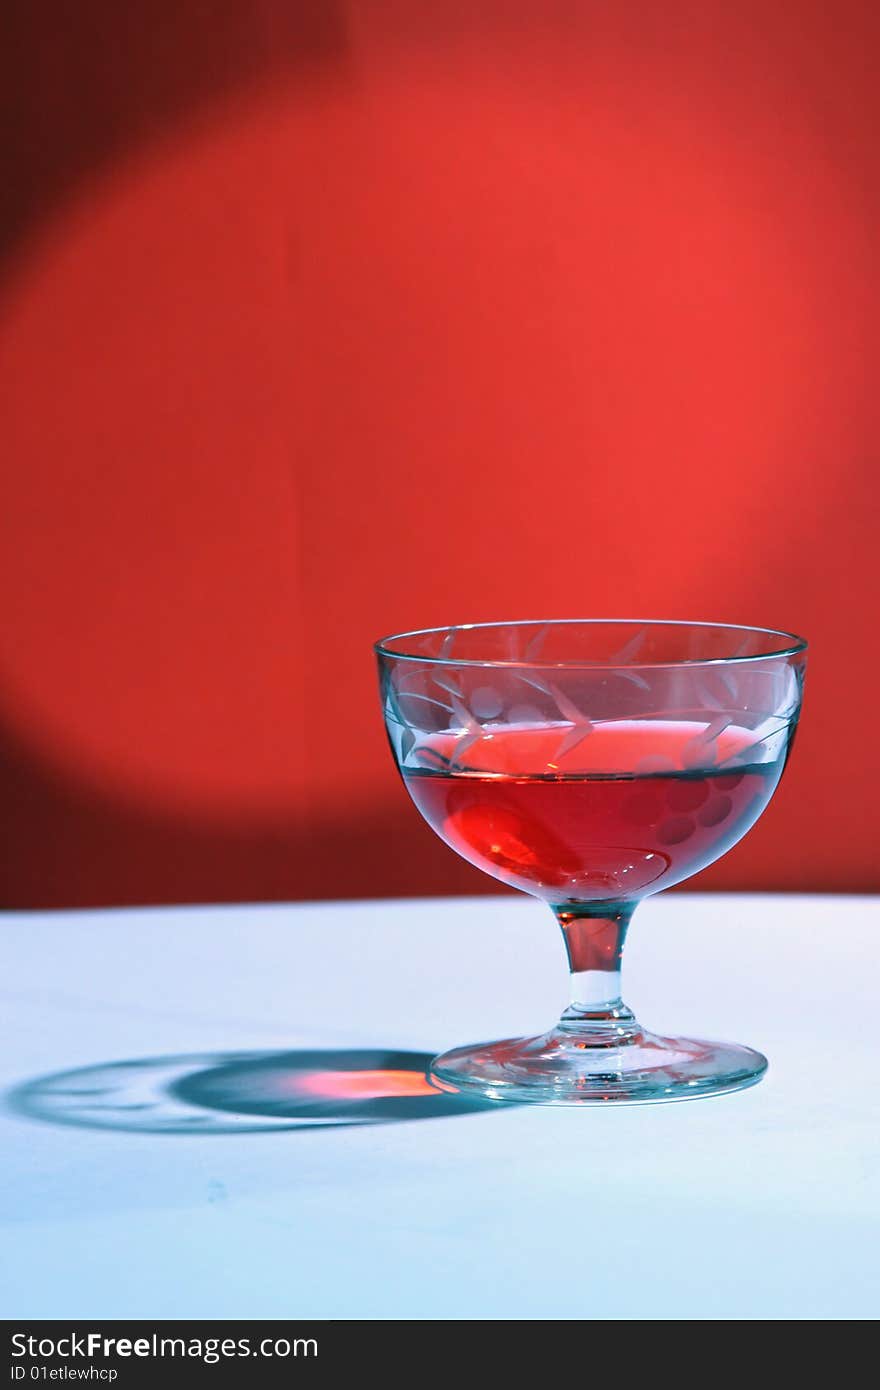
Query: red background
322, 320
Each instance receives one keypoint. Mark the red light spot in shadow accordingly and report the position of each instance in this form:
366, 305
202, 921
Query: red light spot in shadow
362, 1085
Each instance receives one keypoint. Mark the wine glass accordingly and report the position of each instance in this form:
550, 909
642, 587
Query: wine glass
591, 764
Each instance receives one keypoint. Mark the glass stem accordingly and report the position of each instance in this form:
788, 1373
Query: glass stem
594, 938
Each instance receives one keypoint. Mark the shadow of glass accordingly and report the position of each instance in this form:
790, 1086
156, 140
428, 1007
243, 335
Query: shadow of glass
225, 1093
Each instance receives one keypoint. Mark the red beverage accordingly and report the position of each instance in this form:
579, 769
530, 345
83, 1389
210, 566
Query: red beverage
625, 810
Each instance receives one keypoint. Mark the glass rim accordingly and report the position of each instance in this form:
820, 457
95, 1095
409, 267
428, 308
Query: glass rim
795, 644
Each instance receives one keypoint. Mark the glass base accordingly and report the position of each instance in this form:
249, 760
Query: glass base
563, 1067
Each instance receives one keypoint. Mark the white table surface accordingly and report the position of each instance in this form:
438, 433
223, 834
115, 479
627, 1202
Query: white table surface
762, 1204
